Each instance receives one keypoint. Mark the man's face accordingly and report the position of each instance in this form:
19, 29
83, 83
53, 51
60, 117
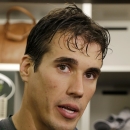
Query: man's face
59, 91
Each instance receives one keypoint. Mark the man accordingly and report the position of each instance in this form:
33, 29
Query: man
60, 68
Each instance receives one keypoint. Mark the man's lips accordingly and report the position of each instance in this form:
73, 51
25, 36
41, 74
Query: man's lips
68, 111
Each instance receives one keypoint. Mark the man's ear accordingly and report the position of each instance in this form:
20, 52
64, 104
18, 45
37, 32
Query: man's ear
25, 67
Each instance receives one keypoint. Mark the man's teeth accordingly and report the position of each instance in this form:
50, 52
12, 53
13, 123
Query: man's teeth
69, 111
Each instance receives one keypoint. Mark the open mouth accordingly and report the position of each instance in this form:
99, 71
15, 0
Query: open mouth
68, 111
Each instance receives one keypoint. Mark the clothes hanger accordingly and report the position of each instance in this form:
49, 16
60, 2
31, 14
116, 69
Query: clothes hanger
10, 84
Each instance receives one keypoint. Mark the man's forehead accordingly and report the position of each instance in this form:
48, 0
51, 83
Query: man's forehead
68, 41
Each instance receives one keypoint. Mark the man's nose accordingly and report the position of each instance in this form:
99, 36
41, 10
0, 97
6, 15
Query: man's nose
75, 87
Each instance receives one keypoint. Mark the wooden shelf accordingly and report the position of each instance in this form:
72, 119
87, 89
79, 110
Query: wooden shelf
9, 67
70, 1
112, 68
15, 67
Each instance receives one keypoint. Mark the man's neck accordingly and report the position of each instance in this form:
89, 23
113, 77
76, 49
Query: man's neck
23, 121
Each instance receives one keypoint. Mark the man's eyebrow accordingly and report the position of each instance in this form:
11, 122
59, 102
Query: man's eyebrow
66, 59
94, 69
74, 61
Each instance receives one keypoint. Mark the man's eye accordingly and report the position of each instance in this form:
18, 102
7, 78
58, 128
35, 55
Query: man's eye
90, 75
64, 68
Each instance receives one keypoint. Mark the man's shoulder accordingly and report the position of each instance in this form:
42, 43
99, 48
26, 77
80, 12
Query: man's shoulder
3, 124
6, 124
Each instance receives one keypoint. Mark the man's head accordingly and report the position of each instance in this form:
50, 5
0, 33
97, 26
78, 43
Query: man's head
69, 20
61, 66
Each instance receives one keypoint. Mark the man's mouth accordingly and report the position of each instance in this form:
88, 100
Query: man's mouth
68, 111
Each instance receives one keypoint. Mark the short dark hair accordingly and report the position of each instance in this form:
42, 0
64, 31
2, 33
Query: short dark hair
69, 19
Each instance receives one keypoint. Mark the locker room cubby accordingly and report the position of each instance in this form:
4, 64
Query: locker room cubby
112, 95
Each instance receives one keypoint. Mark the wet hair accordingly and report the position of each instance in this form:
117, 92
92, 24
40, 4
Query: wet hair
69, 19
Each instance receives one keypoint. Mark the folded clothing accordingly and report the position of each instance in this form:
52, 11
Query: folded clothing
108, 124
114, 122
127, 125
